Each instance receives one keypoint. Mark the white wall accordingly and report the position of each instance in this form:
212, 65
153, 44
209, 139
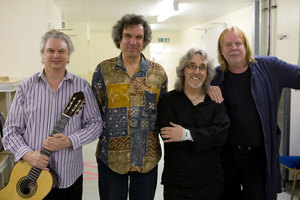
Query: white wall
22, 25
287, 22
79, 60
171, 54
101, 48
196, 37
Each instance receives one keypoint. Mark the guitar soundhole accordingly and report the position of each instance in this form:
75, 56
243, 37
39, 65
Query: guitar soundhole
26, 188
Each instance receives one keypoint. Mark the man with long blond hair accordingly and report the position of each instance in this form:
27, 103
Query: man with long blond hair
251, 87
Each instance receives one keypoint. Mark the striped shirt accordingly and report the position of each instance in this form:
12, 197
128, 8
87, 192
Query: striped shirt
34, 113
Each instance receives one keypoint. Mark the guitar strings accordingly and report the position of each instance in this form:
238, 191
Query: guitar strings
25, 183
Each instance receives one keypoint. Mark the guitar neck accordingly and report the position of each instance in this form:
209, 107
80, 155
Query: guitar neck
59, 127
61, 124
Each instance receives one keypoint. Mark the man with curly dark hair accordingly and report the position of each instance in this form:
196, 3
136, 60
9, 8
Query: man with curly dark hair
128, 88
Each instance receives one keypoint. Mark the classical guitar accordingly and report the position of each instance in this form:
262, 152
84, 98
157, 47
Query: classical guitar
31, 183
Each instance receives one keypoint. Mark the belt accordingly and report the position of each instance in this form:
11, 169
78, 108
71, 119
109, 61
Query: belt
244, 148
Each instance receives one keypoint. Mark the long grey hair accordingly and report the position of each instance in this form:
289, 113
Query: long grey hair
179, 84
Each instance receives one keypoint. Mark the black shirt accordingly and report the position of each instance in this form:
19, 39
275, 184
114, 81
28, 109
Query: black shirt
195, 163
245, 128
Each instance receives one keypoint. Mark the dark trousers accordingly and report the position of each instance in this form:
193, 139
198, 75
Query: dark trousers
209, 192
73, 192
114, 186
245, 173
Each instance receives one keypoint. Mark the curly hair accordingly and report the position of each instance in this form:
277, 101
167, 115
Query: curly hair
179, 84
129, 20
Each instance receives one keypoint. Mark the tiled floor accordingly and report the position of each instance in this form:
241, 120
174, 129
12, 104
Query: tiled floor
90, 184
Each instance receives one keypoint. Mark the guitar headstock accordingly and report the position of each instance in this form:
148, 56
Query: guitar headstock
74, 104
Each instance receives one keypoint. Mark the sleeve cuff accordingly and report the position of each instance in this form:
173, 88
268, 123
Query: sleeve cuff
20, 153
75, 142
186, 135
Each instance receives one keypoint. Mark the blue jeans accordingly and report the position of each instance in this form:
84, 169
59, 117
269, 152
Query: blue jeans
114, 186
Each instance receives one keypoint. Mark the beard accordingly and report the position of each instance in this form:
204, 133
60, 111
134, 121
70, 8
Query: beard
195, 85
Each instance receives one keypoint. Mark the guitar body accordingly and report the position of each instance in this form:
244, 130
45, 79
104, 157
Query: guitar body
30, 183
37, 191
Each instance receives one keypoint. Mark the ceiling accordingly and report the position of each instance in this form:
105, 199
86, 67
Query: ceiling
101, 15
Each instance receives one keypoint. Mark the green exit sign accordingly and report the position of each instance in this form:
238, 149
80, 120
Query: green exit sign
163, 39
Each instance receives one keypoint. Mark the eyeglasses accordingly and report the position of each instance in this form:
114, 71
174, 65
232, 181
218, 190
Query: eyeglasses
194, 67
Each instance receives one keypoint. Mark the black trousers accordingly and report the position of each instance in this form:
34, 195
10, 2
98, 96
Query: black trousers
73, 192
208, 192
245, 173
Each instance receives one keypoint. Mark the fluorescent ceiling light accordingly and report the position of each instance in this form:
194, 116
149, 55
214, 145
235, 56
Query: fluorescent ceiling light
164, 16
165, 9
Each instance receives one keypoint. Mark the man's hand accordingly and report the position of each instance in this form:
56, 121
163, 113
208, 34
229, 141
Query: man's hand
57, 142
36, 159
215, 94
172, 134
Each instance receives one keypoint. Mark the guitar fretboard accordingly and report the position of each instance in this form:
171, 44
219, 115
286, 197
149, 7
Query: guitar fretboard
59, 127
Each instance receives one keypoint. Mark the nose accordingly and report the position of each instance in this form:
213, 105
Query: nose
234, 46
197, 70
55, 54
132, 41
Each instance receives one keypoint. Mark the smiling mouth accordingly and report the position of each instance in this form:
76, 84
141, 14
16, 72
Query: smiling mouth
195, 78
56, 62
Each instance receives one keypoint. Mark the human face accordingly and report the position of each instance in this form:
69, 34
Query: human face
132, 41
55, 54
194, 78
233, 50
